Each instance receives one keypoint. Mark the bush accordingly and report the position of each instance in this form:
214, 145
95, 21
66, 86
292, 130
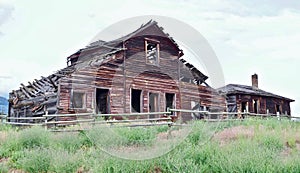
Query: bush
160, 129
136, 135
37, 160
272, 142
10, 145
85, 140
5, 127
68, 142
46, 160
28, 138
34, 137
63, 161
3, 167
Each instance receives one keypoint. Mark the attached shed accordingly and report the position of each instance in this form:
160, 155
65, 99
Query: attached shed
242, 98
143, 71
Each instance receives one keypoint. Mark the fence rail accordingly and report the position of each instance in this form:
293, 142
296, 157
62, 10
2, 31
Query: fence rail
90, 118
165, 118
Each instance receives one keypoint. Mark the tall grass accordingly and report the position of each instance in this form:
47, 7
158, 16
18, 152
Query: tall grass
274, 147
25, 139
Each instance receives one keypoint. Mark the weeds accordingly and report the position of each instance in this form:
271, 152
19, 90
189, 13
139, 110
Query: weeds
36, 150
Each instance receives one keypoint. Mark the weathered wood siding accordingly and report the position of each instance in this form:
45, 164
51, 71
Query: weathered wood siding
159, 79
265, 103
128, 70
88, 79
199, 94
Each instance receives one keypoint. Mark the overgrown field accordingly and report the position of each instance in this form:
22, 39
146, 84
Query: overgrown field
252, 145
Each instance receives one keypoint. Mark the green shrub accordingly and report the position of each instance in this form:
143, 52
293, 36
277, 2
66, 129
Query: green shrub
136, 135
5, 127
34, 137
10, 145
160, 129
272, 142
291, 142
63, 161
66, 141
85, 140
27, 138
37, 160
4, 167
46, 160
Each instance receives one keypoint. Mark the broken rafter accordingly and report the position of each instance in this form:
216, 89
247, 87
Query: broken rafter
34, 87
15, 93
39, 83
49, 81
45, 80
28, 90
52, 82
23, 103
24, 92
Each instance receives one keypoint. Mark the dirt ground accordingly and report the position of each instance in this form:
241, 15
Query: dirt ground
233, 133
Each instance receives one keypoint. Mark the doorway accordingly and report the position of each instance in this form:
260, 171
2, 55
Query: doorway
153, 103
102, 101
278, 109
255, 106
136, 100
244, 106
169, 100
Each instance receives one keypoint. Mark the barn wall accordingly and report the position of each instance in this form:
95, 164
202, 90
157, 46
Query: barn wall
87, 79
159, 79
204, 96
120, 75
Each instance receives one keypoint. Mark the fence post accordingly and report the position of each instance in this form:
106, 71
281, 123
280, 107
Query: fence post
46, 120
278, 116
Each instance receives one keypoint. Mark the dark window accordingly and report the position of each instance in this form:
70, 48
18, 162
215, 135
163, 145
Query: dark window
135, 100
102, 101
152, 52
169, 100
78, 100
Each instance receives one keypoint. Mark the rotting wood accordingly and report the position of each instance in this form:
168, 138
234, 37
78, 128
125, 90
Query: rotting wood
118, 66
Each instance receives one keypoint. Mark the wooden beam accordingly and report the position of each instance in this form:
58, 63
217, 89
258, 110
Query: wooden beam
45, 80
15, 93
40, 83
28, 90
25, 93
34, 87
52, 82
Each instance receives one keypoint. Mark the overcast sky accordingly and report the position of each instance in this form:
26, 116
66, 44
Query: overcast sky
257, 36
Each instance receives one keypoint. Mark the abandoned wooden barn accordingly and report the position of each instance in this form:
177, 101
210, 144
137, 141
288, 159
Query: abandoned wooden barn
242, 98
143, 71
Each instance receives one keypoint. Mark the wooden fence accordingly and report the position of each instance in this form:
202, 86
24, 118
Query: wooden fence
90, 118
165, 118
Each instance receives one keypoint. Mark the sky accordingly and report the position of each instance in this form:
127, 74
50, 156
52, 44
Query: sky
257, 36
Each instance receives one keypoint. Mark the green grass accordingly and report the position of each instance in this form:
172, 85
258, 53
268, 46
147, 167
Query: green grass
273, 147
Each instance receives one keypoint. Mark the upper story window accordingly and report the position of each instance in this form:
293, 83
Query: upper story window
152, 51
